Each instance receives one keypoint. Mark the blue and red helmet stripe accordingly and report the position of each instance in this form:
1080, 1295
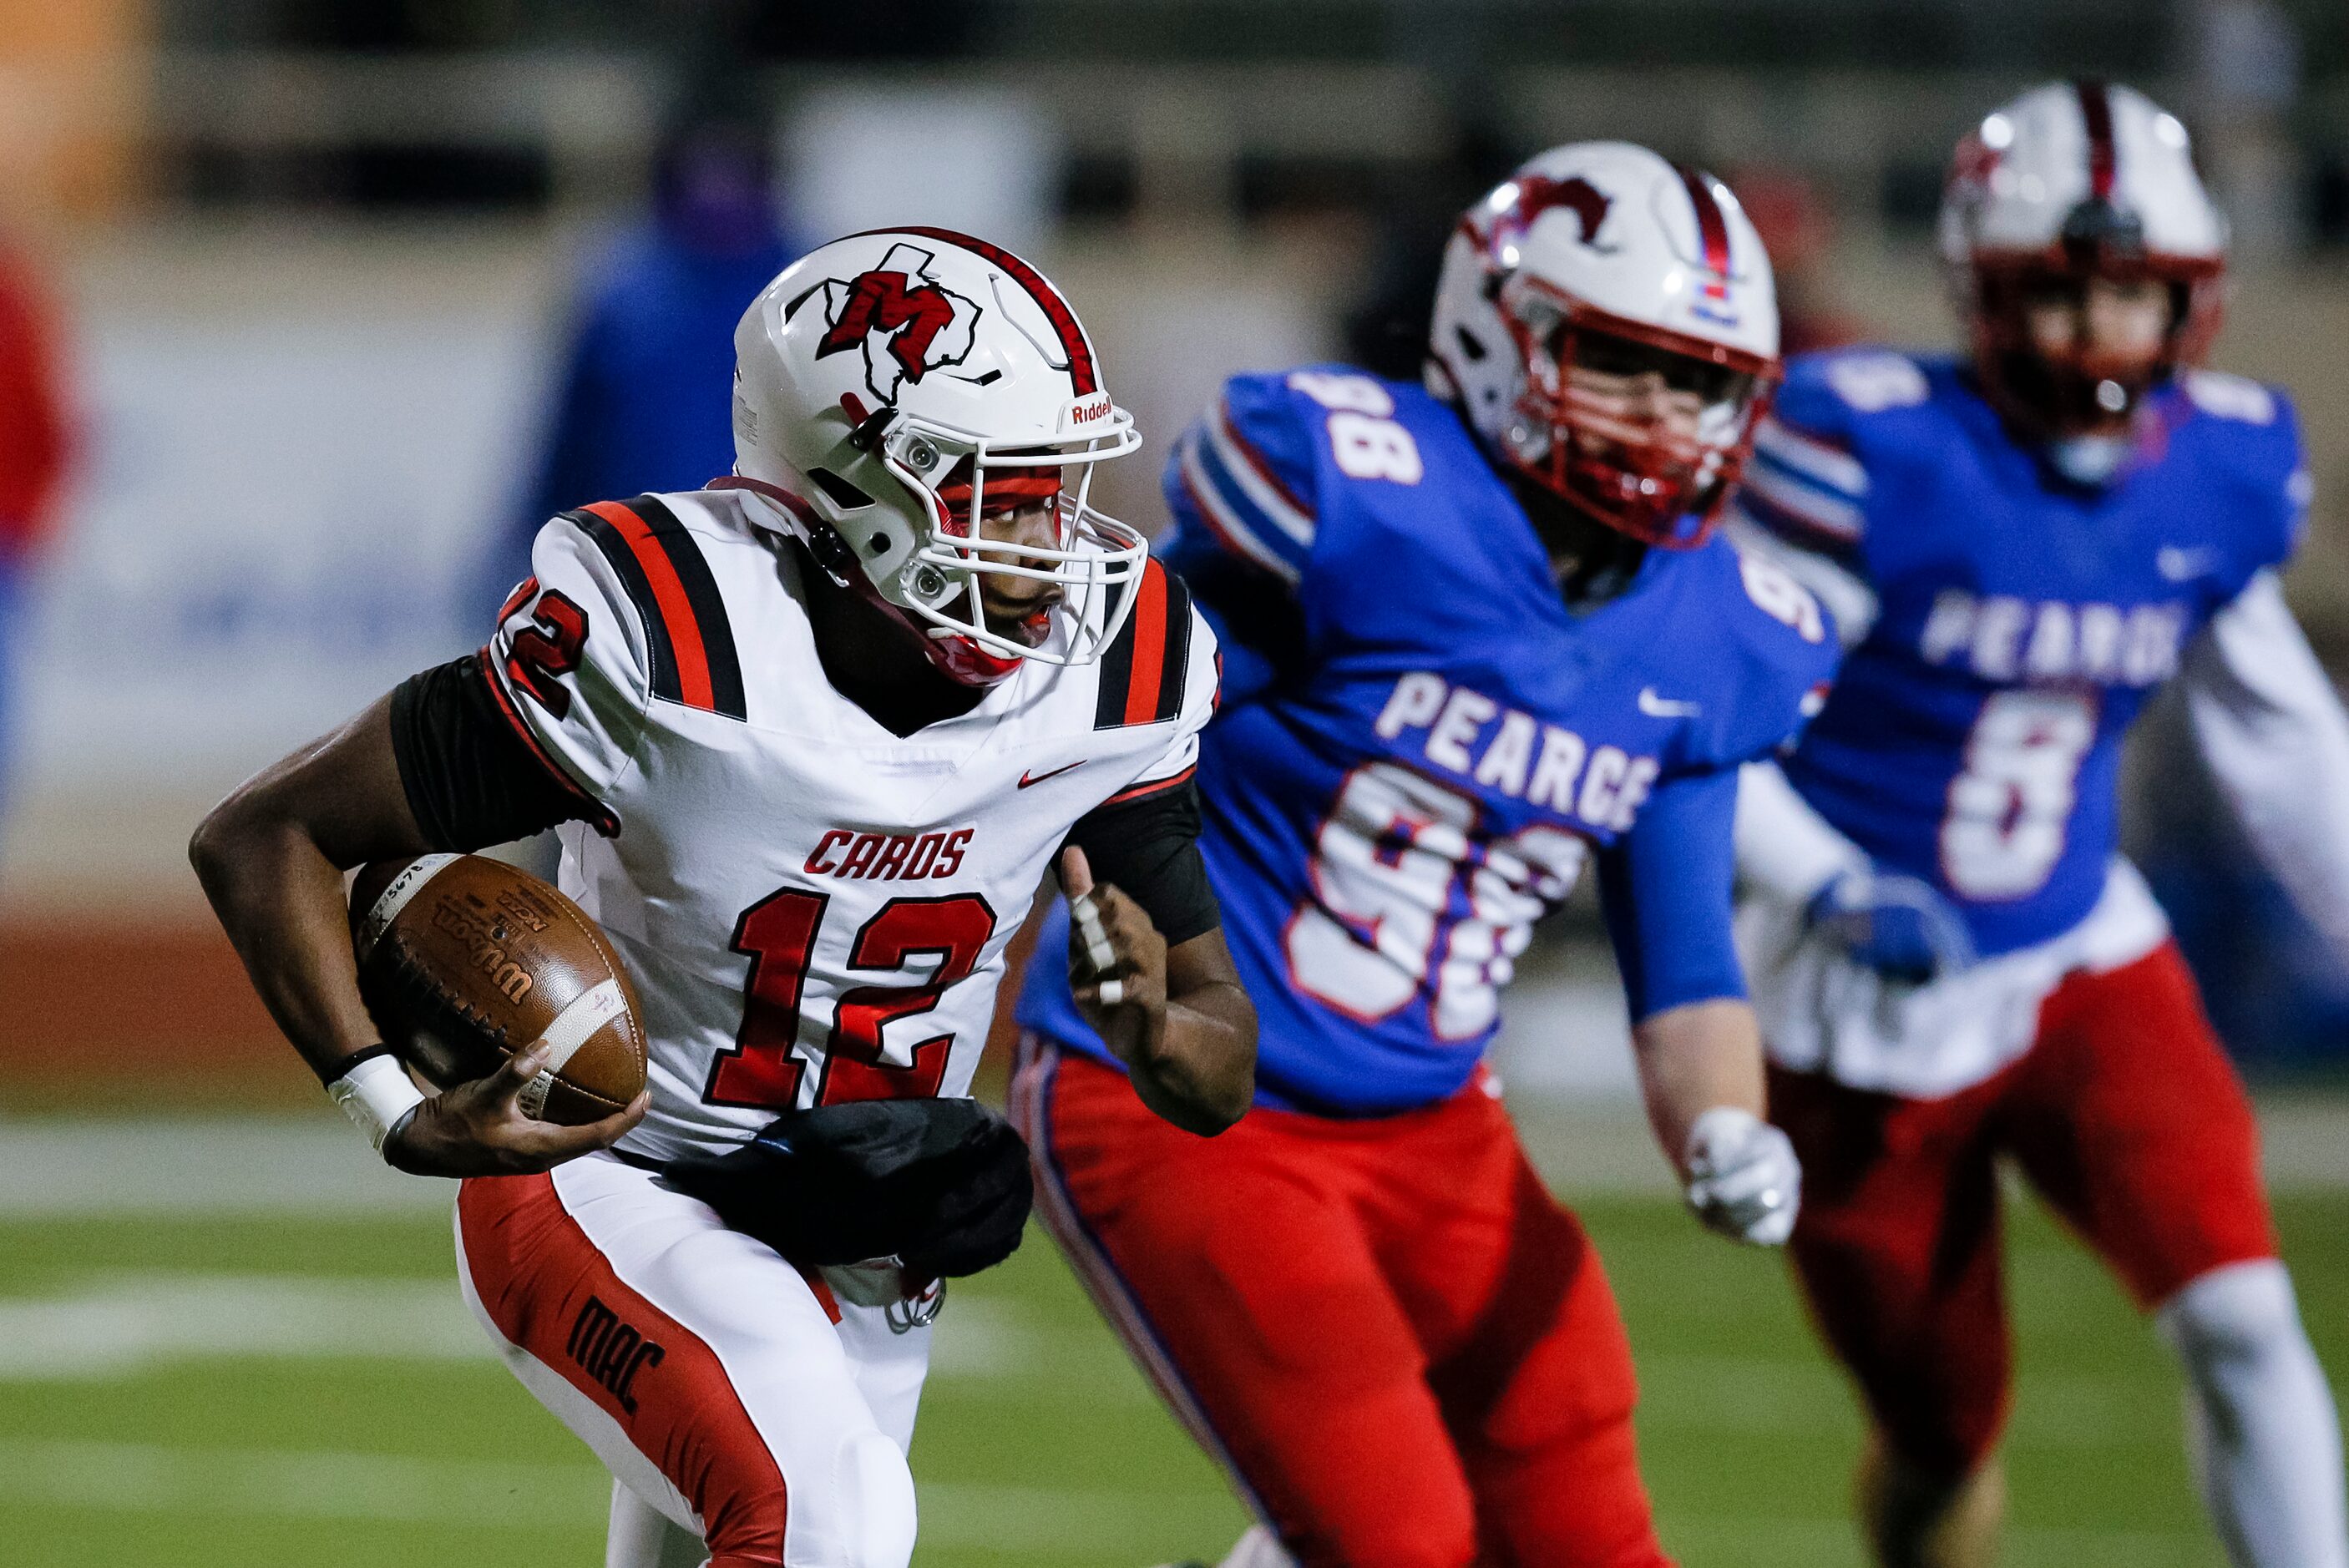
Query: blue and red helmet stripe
2104, 154
1711, 227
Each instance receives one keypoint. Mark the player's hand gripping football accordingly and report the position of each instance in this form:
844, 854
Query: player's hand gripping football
1743, 1179
477, 1128
1117, 964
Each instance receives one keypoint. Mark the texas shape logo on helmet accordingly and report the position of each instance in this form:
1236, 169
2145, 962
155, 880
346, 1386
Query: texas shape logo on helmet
904, 322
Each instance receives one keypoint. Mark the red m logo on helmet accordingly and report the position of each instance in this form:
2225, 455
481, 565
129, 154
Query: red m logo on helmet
881, 302
902, 319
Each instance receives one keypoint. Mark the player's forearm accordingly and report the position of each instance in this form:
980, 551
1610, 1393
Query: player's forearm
271, 859
280, 900
1200, 1072
1694, 1058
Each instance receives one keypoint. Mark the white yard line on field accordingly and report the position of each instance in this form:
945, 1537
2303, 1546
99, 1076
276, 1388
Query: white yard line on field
126, 1326
303, 1166
1586, 1149
123, 1325
139, 1478
64, 1167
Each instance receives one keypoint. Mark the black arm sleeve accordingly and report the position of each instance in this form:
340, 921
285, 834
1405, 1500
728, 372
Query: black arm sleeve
1149, 850
470, 779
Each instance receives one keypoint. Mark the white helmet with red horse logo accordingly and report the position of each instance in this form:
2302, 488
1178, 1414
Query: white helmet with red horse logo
893, 387
1603, 257
2074, 181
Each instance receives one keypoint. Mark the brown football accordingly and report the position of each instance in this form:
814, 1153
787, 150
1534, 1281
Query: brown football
465, 961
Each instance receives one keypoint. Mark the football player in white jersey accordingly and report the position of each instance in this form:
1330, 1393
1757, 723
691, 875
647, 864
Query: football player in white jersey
814, 735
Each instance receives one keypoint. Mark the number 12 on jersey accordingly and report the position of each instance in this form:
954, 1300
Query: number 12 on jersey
779, 934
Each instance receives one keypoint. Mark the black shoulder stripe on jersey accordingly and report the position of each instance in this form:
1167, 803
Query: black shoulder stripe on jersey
694, 662
1143, 670
1116, 667
631, 572
709, 605
1174, 665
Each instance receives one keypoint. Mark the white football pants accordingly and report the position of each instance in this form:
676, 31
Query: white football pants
744, 1424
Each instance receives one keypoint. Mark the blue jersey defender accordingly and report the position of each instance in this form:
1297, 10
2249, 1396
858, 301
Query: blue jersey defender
1973, 738
1421, 744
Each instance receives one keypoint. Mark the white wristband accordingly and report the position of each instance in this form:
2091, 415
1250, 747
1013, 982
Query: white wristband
377, 1095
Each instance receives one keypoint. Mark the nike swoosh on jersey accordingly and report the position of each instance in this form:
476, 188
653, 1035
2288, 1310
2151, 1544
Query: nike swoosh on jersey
2183, 565
1656, 706
1028, 778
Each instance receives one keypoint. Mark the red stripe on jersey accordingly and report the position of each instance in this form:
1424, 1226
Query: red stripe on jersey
1149, 645
676, 615
1247, 550
2104, 154
1048, 299
1148, 787
599, 817
524, 591
1255, 460
552, 1291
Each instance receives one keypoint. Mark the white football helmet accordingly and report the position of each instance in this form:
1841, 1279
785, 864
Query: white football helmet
1603, 257
892, 389
2072, 181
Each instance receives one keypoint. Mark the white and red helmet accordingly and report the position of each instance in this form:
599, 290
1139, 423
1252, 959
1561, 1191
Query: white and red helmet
2075, 179
1604, 256
891, 388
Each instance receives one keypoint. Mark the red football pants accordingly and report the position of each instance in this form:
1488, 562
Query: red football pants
2125, 1115
1404, 1351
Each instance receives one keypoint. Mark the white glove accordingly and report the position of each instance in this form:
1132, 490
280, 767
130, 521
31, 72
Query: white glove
1743, 1179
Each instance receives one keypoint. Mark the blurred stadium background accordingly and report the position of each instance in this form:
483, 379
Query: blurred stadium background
333, 292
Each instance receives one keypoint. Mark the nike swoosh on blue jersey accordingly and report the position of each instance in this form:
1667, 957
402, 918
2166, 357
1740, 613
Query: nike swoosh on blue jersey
1656, 706
2183, 565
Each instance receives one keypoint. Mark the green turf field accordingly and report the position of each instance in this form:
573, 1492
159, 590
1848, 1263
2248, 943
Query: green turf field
176, 1392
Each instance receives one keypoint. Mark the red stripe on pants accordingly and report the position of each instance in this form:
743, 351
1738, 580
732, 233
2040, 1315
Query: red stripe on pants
548, 1288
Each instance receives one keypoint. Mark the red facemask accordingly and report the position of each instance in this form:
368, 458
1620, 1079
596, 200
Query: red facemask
1629, 456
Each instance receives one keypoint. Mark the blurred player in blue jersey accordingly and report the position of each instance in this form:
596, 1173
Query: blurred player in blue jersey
1476, 635
643, 403
1953, 962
